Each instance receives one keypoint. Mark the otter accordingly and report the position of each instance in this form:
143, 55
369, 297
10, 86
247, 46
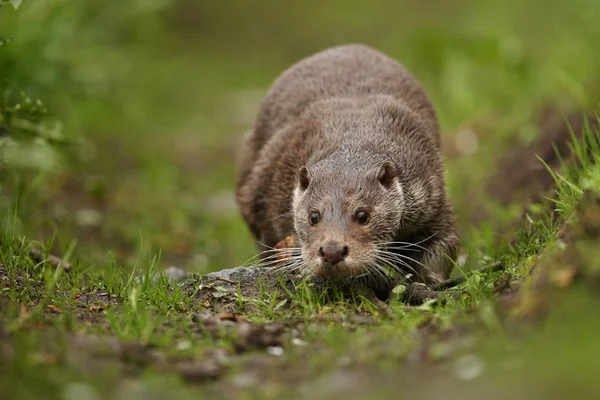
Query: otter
345, 154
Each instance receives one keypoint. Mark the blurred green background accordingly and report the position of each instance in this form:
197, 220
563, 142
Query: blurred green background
152, 96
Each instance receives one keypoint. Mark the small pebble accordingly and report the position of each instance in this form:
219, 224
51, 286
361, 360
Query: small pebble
220, 356
298, 342
88, 217
468, 367
244, 380
80, 391
344, 361
183, 345
276, 351
175, 274
200, 371
466, 141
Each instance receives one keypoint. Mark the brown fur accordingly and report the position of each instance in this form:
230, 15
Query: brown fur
343, 113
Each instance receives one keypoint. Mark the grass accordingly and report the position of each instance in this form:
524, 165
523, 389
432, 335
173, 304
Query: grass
155, 100
45, 308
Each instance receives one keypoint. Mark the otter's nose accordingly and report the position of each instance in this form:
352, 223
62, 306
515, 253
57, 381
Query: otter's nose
333, 252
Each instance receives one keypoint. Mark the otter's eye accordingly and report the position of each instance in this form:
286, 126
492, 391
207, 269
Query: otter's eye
362, 217
314, 217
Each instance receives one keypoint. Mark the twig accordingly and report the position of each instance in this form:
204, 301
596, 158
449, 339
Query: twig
417, 293
331, 319
369, 294
219, 278
497, 266
56, 262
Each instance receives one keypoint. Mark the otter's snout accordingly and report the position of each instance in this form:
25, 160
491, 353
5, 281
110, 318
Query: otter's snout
333, 252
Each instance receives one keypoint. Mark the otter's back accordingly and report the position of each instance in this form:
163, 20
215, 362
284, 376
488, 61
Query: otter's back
346, 71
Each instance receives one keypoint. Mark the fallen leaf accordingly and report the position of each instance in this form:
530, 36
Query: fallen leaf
96, 308
228, 317
564, 277
53, 308
528, 306
23, 314
45, 358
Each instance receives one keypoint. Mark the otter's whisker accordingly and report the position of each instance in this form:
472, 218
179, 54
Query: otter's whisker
289, 213
290, 266
403, 248
275, 262
409, 244
263, 253
267, 246
273, 253
377, 271
270, 263
398, 257
297, 268
405, 257
397, 266
280, 254
372, 267
389, 258
280, 250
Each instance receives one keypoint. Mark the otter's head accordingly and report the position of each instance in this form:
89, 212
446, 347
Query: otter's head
343, 216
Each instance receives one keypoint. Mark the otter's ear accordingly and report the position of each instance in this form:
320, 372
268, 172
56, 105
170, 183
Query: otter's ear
303, 180
386, 174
